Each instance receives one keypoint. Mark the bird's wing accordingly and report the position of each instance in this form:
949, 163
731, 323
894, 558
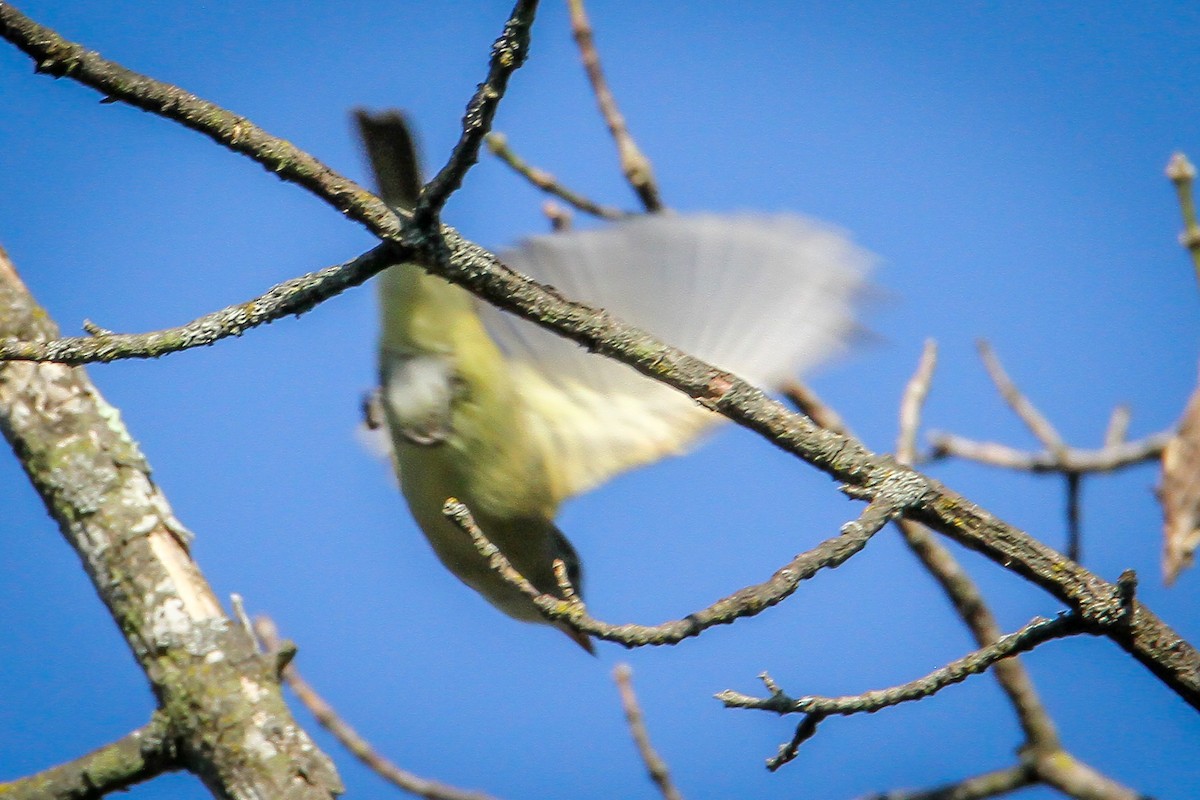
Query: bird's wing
761, 297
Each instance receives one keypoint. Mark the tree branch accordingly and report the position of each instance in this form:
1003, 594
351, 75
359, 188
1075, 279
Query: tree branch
543, 180
143, 754
349, 738
1183, 175
744, 603
1109, 458
292, 297
634, 163
659, 773
816, 708
989, 784
216, 694
508, 54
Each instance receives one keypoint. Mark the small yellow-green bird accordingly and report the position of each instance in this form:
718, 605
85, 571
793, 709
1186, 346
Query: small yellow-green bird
513, 420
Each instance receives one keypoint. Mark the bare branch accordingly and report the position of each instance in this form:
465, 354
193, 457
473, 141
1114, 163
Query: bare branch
292, 297
1038, 425
817, 708
359, 747
910, 405
1074, 526
1118, 426
989, 784
1183, 174
1038, 631
56, 56
144, 754
1078, 460
967, 600
634, 163
746, 602
1073, 778
508, 54
641, 737
543, 180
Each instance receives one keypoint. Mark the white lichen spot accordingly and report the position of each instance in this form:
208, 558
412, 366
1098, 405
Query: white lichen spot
253, 690
258, 744
170, 624
214, 657
143, 526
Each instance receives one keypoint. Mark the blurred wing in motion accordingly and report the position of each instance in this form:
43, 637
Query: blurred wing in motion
763, 297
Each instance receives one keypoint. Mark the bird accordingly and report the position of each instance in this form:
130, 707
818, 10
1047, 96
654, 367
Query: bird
512, 420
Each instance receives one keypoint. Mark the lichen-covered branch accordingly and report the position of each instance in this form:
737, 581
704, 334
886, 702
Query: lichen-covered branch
291, 297
817, 708
218, 698
978, 787
143, 754
1037, 632
508, 54
746, 602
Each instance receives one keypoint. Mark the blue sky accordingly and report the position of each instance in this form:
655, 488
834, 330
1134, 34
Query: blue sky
1004, 160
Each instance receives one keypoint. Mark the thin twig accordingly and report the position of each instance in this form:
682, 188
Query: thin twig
508, 54
543, 180
817, 708
957, 585
1037, 632
807, 402
54, 55
1183, 174
659, 773
359, 747
292, 297
746, 602
1118, 426
1038, 425
912, 402
1072, 459
560, 218
634, 163
1074, 525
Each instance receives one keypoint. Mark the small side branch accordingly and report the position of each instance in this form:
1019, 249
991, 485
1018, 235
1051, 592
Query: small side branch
634, 163
746, 602
817, 708
349, 738
978, 787
1110, 458
1038, 425
543, 180
623, 675
508, 54
292, 297
1183, 175
143, 754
